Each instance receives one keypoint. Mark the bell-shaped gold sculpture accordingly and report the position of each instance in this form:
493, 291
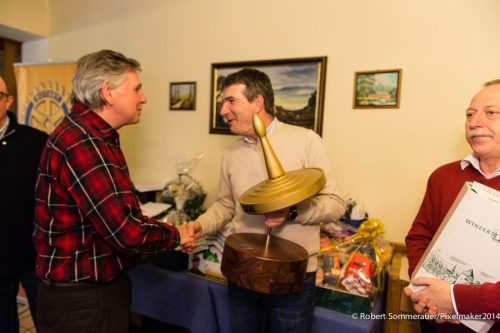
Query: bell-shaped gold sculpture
252, 261
282, 189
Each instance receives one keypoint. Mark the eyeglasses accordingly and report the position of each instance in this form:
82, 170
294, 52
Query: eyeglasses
2, 94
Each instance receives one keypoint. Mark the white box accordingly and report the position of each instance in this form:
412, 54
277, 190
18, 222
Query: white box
472, 220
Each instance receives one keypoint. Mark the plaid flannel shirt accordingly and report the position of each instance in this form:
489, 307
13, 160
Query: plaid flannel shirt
88, 223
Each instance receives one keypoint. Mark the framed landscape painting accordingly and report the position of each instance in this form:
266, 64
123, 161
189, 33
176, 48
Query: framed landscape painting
377, 89
298, 84
182, 96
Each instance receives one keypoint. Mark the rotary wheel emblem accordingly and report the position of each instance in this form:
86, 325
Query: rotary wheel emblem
46, 106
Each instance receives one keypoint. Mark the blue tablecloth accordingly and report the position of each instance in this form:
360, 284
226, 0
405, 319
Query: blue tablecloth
202, 305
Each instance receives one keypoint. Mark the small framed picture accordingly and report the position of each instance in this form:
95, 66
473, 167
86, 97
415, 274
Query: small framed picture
182, 96
377, 89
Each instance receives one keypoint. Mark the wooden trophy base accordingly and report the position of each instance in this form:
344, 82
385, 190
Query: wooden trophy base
278, 269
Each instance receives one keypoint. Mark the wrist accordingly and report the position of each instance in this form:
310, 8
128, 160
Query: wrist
292, 215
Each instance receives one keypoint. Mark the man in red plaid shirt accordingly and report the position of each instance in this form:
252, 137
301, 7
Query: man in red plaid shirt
89, 229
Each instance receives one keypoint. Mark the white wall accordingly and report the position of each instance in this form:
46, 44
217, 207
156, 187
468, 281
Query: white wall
35, 51
445, 48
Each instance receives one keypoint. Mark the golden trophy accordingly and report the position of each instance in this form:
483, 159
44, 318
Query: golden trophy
266, 263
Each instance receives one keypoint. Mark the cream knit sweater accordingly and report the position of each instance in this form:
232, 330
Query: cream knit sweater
243, 166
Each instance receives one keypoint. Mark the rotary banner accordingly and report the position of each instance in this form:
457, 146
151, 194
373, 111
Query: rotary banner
43, 93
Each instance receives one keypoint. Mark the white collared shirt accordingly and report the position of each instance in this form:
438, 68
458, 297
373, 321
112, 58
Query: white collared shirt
4, 127
271, 127
473, 160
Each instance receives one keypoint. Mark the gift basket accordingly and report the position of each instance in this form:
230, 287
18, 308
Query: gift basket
354, 211
186, 196
352, 265
184, 193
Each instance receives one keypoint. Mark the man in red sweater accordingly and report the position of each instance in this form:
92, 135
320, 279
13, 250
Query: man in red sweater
482, 129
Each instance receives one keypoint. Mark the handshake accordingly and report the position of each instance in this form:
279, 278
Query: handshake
188, 234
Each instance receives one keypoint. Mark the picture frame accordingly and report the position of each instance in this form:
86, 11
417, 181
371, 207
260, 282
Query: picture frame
299, 90
377, 89
182, 96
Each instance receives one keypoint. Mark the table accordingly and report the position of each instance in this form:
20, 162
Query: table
202, 305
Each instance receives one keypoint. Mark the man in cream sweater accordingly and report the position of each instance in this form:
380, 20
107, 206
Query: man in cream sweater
247, 92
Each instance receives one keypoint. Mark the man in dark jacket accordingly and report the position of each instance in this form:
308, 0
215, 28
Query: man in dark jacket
20, 150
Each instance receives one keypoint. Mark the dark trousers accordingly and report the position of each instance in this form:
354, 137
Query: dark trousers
426, 327
9, 287
254, 312
84, 308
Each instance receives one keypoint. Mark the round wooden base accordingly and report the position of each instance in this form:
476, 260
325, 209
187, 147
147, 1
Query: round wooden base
278, 269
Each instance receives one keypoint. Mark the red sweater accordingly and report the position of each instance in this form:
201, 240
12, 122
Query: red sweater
443, 186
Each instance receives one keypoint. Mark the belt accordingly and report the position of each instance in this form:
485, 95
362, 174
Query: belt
63, 285
77, 285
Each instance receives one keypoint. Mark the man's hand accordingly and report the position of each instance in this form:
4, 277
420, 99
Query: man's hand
189, 233
277, 218
434, 299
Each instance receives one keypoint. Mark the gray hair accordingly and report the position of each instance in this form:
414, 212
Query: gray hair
492, 82
93, 69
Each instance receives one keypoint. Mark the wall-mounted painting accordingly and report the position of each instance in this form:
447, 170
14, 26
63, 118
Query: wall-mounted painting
182, 96
377, 89
298, 84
